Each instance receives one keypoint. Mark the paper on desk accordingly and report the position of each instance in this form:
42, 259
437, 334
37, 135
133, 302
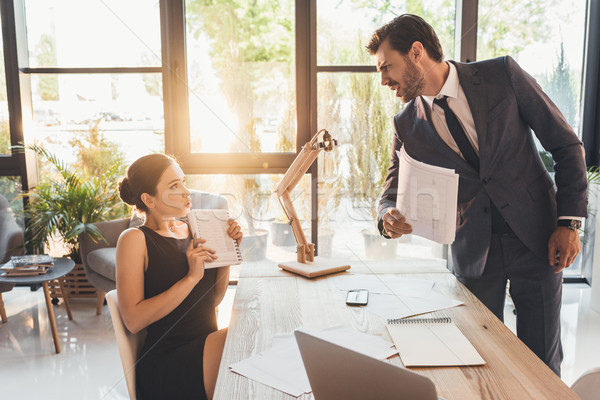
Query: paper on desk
427, 197
370, 345
388, 284
281, 366
392, 306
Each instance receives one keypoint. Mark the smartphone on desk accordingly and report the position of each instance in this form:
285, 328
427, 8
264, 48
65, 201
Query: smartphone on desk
357, 297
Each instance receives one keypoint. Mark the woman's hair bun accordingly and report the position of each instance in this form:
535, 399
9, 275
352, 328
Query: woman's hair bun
125, 191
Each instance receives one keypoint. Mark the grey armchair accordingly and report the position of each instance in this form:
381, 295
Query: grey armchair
12, 242
99, 259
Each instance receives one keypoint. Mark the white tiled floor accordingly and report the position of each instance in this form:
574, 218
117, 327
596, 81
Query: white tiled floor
89, 366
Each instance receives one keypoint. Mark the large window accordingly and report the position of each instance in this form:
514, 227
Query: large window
108, 33
123, 112
240, 63
234, 88
96, 82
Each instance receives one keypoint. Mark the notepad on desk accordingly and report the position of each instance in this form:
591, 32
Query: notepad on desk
430, 342
212, 226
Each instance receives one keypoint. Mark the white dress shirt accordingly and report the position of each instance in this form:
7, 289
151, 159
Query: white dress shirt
457, 101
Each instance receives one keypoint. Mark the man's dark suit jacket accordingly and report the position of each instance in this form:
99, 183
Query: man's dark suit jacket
505, 102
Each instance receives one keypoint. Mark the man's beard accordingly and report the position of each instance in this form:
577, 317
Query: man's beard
414, 82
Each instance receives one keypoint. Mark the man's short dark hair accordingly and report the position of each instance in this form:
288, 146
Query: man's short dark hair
403, 31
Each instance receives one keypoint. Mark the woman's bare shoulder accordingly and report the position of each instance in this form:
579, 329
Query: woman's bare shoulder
131, 236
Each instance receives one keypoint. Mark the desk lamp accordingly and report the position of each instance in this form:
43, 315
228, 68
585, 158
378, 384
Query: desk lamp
307, 264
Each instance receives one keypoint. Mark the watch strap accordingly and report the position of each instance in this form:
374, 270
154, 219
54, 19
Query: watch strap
573, 224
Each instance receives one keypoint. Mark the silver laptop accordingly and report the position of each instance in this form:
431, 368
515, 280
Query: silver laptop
338, 373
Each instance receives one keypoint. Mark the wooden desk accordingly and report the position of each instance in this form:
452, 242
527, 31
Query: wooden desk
265, 306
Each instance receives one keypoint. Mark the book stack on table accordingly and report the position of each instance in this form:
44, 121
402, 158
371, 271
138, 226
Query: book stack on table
28, 265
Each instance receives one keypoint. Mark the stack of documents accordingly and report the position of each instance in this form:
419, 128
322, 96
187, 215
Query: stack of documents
427, 197
281, 366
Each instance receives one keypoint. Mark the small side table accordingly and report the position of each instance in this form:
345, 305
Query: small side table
62, 266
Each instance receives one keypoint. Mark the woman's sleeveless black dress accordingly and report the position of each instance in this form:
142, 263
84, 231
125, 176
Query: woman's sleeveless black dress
170, 364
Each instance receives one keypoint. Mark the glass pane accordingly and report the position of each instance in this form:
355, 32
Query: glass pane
4, 125
253, 204
11, 204
241, 76
100, 120
344, 28
109, 33
549, 45
348, 204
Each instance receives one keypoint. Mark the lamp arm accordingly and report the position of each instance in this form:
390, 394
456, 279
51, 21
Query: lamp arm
288, 207
307, 155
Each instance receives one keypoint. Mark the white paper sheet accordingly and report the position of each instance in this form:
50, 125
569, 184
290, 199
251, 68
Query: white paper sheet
427, 197
370, 345
281, 366
386, 284
392, 306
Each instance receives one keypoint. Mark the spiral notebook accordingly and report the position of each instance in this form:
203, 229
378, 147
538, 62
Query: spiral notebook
434, 341
211, 225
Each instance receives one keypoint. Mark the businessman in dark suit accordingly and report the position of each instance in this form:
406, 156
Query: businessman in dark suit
513, 224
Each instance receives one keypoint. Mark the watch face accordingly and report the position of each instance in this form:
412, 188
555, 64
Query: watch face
575, 224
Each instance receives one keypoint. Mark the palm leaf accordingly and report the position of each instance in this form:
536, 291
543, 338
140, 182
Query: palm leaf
68, 207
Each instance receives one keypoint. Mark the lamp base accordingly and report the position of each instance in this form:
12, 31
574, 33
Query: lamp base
312, 269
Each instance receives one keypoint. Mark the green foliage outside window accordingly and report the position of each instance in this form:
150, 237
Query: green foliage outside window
45, 53
507, 27
95, 154
4, 137
562, 88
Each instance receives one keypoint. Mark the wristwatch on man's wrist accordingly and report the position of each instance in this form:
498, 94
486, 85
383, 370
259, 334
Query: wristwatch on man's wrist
573, 224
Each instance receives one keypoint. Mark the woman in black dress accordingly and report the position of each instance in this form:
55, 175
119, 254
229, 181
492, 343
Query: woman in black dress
162, 285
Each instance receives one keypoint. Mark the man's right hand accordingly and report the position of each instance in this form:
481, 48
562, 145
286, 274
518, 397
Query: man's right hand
394, 223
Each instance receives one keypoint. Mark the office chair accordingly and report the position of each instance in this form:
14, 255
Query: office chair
587, 386
12, 242
129, 344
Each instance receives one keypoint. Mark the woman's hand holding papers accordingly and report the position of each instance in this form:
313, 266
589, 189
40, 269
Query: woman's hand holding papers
395, 224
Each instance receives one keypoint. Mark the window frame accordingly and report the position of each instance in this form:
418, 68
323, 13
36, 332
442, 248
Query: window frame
175, 93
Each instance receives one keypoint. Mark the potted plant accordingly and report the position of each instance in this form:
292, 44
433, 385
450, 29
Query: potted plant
67, 205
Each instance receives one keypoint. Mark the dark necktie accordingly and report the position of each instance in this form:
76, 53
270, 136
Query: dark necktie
458, 133
499, 225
